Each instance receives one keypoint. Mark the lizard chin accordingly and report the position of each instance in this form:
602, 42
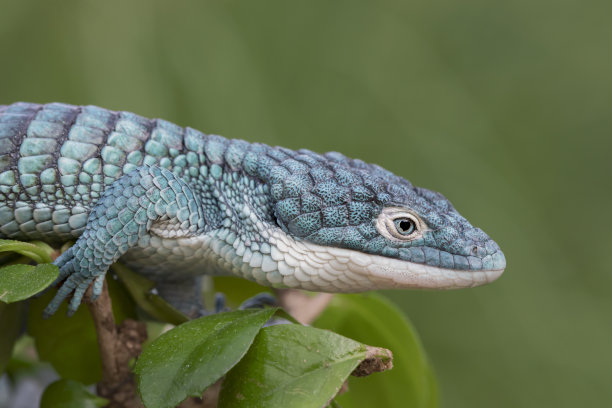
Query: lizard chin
310, 266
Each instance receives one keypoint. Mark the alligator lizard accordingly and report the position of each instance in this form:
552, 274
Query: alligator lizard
174, 204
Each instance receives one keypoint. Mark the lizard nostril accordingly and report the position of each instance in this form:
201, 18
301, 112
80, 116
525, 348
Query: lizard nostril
474, 250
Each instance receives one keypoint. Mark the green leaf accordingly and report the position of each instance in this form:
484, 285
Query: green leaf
19, 282
39, 252
372, 319
44, 247
11, 317
291, 366
139, 288
186, 360
70, 343
70, 394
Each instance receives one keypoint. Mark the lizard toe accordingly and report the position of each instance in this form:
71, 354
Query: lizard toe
64, 258
77, 297
67, 287
97, 287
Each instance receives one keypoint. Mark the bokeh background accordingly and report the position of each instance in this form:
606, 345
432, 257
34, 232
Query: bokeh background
505, 107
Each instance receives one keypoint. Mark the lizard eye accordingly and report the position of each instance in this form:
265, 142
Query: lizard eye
405, 226
398, 224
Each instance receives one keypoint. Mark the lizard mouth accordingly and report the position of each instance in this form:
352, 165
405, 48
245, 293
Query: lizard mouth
391, 273
403, 274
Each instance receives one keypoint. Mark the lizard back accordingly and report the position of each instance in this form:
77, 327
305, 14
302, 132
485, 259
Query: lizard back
57, 159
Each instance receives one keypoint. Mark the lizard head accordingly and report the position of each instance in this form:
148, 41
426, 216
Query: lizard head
353, 226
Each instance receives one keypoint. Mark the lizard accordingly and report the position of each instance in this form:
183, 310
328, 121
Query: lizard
176, 204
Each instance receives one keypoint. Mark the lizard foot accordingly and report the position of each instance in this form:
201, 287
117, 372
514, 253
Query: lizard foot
220, 306
75, 281
259, 301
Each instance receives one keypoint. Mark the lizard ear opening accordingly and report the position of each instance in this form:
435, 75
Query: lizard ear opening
279, 223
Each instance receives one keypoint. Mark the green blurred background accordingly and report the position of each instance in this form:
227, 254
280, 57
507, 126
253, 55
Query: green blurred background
505, 107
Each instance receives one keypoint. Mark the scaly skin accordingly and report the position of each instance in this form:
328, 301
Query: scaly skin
175, 204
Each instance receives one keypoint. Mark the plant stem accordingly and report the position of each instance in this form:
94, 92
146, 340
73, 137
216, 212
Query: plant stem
118, 345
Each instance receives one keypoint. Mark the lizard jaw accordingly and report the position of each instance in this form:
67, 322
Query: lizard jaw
315, 267
419, 276
292, 263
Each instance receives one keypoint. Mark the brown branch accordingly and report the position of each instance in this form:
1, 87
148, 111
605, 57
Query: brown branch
118, 345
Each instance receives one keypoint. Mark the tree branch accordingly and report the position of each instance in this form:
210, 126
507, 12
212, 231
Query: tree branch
118, 345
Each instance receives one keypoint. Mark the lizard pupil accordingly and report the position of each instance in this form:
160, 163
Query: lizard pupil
405, 226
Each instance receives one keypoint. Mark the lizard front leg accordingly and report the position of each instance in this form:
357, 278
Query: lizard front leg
127, 210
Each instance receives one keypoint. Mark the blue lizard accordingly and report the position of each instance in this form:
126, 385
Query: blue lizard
174, 204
